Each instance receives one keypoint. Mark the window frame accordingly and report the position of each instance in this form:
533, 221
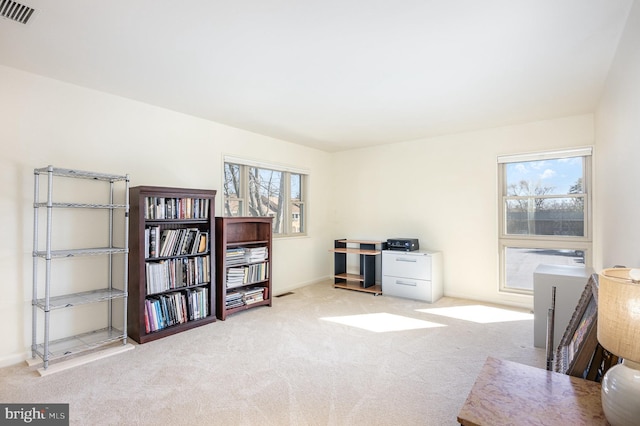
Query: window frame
288, 202
557, 242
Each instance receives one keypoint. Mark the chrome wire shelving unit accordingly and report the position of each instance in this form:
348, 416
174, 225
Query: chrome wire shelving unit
47, 295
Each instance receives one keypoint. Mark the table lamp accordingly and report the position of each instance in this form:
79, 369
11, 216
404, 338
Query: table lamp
619, 333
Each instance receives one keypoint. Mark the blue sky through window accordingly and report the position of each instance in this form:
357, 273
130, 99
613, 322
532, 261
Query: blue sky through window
559, 174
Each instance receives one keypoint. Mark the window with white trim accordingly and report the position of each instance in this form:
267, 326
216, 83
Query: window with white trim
259, 189
545, 214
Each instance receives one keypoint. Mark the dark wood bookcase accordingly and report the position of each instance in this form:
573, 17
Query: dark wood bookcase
236, 238
171, 261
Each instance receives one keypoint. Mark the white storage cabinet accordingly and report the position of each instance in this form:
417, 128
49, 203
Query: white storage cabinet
412, 274
570, 282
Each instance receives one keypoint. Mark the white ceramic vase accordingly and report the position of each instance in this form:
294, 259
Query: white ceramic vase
621, 394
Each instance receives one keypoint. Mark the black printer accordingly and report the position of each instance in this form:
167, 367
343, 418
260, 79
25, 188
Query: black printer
403, 244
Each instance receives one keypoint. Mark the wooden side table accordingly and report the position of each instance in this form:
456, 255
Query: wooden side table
508, 393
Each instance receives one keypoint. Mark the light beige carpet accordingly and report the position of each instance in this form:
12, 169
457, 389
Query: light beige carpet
319, 356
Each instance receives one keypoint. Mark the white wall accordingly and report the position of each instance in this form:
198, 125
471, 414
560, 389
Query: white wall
444, 191
441, 190
43, 121
618, 162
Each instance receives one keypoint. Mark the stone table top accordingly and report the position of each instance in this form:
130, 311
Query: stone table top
508, 393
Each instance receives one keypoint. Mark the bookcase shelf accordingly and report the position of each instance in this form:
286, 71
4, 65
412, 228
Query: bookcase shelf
84, 286
171, 271
243, 263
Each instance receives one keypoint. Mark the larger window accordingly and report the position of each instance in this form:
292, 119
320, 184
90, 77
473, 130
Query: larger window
544, 214
256, 189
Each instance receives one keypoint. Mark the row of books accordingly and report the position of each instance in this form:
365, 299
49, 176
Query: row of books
174, 242
176, 208
249, 296
235, 256
175, 308
241, 255
239, 276
176, 273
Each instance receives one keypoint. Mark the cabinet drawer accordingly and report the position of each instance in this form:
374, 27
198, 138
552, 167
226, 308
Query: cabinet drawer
408, 288
407, 265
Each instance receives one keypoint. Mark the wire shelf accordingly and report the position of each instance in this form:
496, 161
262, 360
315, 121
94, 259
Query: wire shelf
81, 252
82, 205
76, 299
81, 174
80, 343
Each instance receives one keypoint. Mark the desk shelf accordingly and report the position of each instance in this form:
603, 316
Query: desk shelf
367, 251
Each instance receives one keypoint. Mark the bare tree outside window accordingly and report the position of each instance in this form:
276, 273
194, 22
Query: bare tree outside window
297, 204
256, 191
265, 195
232, 194
536, 208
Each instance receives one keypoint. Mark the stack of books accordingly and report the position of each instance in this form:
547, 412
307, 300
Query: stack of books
256, 272
235, 277
198, 306
253, 295
164, 311
256, 254
235, 256
239, 276
174, 242
176, 208
175, 308
175, 273
233, 300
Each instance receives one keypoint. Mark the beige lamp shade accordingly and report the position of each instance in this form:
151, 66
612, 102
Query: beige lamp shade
619, 313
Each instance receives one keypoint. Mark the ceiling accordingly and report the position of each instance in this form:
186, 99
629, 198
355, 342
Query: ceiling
331, 74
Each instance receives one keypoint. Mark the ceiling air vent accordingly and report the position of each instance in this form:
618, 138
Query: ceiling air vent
15, 11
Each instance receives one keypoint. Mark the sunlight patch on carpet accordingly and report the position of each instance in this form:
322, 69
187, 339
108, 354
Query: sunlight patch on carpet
480, 314
382, 322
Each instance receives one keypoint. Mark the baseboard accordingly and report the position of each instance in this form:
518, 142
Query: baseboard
285, 289
14, 359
